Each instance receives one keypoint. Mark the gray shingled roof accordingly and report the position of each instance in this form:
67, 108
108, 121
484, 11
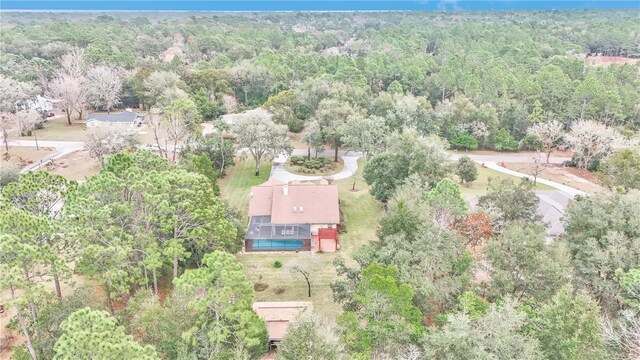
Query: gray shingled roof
125, 116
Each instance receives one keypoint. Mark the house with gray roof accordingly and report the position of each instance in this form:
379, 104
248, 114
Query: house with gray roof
125, 119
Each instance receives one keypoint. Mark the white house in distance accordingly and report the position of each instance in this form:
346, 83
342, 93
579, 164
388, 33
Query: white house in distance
123, 120
42, 104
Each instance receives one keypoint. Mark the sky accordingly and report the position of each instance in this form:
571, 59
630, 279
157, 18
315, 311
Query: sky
313, 5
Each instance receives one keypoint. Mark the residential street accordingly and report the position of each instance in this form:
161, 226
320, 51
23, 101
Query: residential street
350, 162
62, 148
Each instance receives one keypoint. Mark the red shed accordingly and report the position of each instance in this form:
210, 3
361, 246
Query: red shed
328, 239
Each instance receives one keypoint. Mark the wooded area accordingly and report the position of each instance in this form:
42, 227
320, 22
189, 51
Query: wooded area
139, 260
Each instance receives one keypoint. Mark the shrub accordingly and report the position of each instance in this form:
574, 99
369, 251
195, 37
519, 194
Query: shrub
464, 142
9, 173
505, 142
311, 164
530, 142
260, 286
296, 159
295, 125
278, 290
277, 264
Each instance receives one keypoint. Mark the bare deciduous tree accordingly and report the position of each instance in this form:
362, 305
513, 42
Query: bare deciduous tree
550, 135
73, 63
103, 87
590, 140
537, 167
7, 124
27, 121
15, 94
70, 92
103, 142
624, 334
230, 104
154, 120
304, 265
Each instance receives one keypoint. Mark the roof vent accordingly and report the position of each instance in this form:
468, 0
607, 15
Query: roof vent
295, 209
285, 189
301, 209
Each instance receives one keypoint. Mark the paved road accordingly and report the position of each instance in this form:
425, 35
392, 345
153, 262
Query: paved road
62, 148
564, 188
350, 159
508, 158
551, 208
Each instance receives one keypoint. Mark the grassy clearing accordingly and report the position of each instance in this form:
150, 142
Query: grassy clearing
240, 178
59, 130
481, 185
360, 211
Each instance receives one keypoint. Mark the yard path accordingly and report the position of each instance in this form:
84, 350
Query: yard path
62, 148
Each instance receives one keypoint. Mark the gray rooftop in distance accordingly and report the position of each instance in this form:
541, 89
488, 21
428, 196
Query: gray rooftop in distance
125, 116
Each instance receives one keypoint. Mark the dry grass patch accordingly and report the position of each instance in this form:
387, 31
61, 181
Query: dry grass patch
77, 165
573, 177
25, 155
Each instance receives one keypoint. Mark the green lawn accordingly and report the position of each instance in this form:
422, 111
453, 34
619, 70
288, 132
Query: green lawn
236, 185
361, 212
481, 185
59, 130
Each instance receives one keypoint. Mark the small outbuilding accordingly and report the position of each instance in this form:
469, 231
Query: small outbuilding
279, 315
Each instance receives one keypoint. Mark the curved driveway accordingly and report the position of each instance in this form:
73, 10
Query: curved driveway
278, 170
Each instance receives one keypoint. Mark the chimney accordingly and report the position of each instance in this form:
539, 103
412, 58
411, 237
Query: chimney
285, 189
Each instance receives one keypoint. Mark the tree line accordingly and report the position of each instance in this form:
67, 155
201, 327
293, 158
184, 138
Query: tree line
143, 224
508, 65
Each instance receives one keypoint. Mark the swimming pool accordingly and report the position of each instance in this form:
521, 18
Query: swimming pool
276, 245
